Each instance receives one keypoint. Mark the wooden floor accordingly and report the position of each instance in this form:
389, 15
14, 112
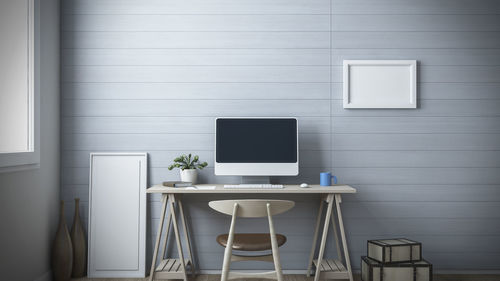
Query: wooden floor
439, 277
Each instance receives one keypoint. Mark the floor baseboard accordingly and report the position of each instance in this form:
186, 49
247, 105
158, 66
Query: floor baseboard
467, 272
301, 277
301, 271
218, 272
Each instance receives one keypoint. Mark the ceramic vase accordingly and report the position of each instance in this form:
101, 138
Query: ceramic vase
79, 244
62, 252
189, 175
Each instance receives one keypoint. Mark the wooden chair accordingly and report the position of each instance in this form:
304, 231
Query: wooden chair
251, 208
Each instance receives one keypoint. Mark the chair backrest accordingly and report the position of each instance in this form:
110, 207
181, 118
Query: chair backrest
251, 208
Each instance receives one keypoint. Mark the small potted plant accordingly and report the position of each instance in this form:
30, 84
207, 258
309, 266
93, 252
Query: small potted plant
188, 166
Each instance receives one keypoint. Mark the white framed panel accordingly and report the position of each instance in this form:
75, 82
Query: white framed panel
380, 83
19, 86
117, 215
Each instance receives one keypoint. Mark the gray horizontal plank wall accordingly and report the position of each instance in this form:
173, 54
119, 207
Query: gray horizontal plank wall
430, 174
152, 75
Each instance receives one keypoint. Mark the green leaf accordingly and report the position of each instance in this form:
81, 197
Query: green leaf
187, 162
202, 165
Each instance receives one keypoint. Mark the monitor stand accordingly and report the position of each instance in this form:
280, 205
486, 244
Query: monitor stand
255, 180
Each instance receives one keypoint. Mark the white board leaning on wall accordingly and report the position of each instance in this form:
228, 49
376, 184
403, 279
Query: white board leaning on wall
117, 215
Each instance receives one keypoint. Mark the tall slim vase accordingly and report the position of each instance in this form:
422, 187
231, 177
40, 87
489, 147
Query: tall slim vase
79, 244
62, 252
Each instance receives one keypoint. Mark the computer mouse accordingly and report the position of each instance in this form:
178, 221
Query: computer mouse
304, 185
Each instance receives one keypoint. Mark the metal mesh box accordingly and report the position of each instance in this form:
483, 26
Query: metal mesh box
394, 250
410, 271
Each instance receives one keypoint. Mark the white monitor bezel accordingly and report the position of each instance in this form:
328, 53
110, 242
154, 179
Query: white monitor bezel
256, 169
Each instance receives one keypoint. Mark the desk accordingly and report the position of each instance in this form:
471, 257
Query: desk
325, 268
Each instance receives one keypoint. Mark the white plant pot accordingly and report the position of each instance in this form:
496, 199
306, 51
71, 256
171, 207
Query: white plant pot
190, 175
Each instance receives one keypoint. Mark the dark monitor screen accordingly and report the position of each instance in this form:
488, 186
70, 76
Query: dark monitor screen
256, 140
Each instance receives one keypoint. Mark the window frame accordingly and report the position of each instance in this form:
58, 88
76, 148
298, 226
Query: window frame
29, 159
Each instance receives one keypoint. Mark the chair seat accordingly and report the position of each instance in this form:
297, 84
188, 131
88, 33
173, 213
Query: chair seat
251, 241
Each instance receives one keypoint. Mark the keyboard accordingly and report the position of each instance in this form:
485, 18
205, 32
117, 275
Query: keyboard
253, 186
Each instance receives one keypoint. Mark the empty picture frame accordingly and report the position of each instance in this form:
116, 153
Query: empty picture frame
380, 84
117, 215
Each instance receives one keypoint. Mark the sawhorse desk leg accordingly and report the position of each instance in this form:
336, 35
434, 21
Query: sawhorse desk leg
171, 268
330, 268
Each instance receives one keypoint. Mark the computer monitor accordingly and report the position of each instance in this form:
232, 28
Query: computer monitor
256, 146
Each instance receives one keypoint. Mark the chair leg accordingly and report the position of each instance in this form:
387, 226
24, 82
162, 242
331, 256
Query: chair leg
277, 262
229, 246
274, 245
227, 262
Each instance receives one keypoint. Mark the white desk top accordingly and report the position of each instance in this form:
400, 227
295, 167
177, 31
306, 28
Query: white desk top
219, 188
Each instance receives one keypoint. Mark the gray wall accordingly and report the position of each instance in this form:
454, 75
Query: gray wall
151, 76
29, 204
431, 174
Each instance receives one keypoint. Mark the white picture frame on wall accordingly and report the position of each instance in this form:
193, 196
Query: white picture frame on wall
380, 83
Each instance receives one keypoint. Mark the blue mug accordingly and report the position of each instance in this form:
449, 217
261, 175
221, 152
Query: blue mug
325, 179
